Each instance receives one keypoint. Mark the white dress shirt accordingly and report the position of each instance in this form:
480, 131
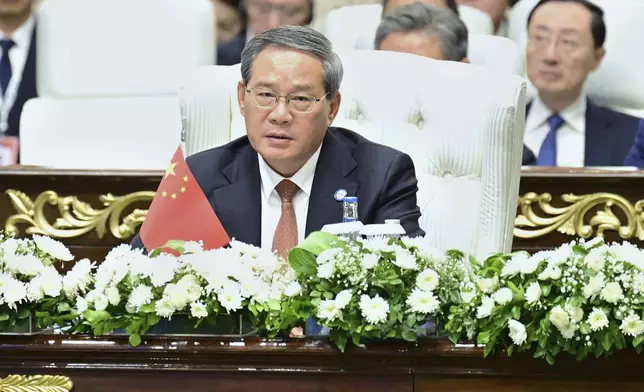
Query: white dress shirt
272, 204
571, 136
18, 58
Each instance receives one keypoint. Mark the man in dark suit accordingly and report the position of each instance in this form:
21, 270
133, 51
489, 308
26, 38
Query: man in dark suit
287, 177
17, 67
264, 15
635, 156
563, 127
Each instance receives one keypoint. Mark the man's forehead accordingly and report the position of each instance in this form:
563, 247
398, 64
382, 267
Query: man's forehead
562, 15
273, 66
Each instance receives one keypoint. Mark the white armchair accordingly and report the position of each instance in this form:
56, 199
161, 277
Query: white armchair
355, 27
619, 81
108, 74
462, 125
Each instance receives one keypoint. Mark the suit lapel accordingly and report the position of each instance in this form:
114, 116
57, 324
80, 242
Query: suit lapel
334, 165
599, 143
238, 205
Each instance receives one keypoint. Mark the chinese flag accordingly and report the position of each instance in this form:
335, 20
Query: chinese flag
181, 211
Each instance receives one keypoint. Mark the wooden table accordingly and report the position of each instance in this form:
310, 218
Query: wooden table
224, 365
93, 211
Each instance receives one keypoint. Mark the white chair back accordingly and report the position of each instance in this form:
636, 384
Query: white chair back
108, 74
619, 81
462, 125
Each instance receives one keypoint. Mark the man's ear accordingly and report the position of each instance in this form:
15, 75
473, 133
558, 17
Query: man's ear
334, 107
600, 53
241, 96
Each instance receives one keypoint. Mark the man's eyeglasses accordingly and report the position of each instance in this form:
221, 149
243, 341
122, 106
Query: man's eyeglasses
267, 99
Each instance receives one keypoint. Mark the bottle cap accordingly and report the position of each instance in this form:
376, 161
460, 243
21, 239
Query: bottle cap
350, 199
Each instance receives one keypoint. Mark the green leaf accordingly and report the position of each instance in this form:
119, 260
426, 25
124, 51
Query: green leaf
63, 307
409, 335
4, 317
510, 350
607, 342
135, 339
328, 295
22, 314
303, 257
274, 305
518, 294
153, 319
355, 338
94, 316
411, 320
638, 340
516, 312
339, 337
488, 349
550, 359
315, 293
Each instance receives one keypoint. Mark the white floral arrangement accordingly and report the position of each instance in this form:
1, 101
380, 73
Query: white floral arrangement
375, 288
28, 276
133, 291
582, 298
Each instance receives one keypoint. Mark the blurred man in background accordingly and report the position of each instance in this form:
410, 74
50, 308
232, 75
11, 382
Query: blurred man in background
563, 127
264, 15
424, 30
390, 5
231, 19
17, 71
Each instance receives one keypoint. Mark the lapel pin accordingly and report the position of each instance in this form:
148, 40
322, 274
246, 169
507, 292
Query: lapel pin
340, 194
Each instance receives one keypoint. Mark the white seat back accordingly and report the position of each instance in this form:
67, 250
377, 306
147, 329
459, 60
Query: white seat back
619, 81
462, 125
108, 74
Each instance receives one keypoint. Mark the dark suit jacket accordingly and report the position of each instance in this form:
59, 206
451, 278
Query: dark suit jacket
609, 136
382, 178
229, 52
26, 90
636, 155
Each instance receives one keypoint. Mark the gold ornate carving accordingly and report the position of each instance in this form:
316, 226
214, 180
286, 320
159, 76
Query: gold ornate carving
580, 217
76, 217
16, 383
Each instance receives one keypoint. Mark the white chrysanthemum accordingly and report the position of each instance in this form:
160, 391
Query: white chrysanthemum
467, 296
597, 320
486, 307
326, 270
551, 272
518, 332
81, 305
377, 244
503, 296
28, 265
594, 285
423, 302
328, 310
53, 248
164, 308
632, 325
198, 310
34, 290
529, 266
513, 266
374, 310
533, 293
191, 285
488, 285
101, 302
13, 292
164, 268
343, 298
328, 255
369, 260
292, 289
559, 317
113, 295
612, 292
193, 246
638, 283
568, 331
52, 282
140, 295
576, 313
427, 280
404, 259
177, 295
78, 278
230, 297
628, 253
596, 258
9, 247
263, 293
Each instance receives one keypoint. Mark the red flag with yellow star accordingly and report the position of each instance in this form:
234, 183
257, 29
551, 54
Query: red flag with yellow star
181, 211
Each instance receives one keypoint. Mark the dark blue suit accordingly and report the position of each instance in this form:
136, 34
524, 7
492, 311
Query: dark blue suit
229, 52
636, 155
609, 136
384, 180
26, 90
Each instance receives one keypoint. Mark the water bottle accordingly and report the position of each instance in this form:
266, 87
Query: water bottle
350, 209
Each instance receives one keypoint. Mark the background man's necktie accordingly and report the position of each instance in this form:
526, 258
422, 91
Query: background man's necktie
548, 153
285, 237
5, 64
